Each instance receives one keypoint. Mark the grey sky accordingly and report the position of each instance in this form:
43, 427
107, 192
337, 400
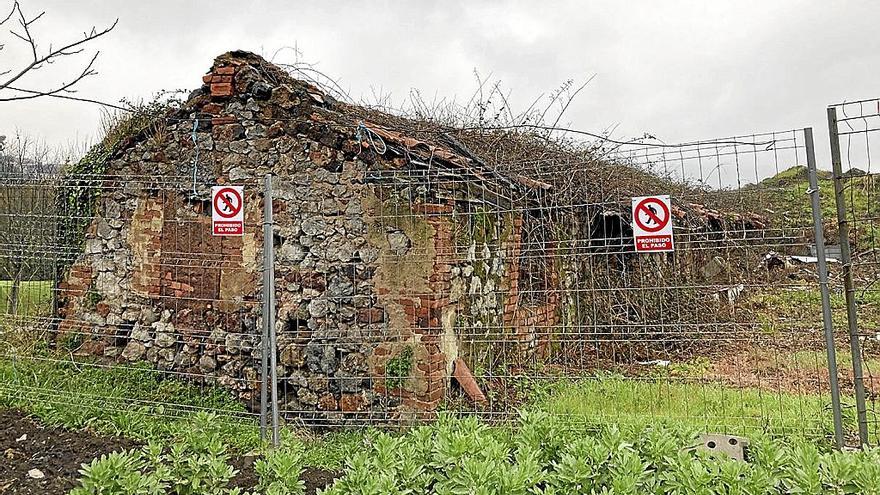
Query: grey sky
681, 70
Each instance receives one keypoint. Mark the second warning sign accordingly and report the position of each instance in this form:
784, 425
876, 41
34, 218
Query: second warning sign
652, 223
228, 210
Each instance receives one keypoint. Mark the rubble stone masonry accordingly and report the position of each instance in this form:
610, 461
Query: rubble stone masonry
372, 287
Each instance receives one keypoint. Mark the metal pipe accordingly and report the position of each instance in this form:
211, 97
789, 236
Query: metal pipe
269, 302
819, 236
267, 310
846, 260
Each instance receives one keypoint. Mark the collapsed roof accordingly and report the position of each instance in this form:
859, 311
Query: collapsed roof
510, 166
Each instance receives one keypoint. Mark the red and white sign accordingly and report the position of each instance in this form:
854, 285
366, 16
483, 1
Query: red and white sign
227, 214
652, 224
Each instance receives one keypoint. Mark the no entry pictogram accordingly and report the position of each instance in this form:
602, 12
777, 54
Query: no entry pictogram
228, 210
652, 223
227, 202
651, 214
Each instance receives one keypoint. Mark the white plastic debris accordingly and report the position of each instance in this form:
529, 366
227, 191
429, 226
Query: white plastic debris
36, 474
21, 438
656, 362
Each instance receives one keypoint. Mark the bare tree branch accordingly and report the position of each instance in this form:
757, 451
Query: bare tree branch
72, 98
38, 61
11, 12
87, 71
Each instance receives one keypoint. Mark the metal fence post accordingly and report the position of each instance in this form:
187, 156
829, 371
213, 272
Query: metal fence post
269, 305
267, 310
819, 235
846, 260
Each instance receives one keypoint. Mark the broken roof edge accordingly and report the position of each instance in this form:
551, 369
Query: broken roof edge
528, 170
367, 124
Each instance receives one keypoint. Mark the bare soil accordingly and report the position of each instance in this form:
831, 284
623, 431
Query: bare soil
26, 444
57, 453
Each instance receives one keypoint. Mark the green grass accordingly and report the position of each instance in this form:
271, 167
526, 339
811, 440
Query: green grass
811, 360
137, 402
132, 401
790, 206
777, 309
707, 406
35, 298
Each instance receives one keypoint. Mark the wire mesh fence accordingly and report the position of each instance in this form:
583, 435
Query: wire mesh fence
114, 304
412, 279
724, 333
855, 136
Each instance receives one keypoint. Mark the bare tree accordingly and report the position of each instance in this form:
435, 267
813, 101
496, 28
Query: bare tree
13, 77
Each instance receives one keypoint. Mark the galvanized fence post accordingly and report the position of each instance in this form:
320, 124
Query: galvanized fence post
846, 260
267, 310
819, 236
270, 345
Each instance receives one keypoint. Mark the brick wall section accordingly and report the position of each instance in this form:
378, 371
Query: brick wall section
71, 292
423, 313
221, 81
145, 239
432, 304
532, 325
197, 275
513, 246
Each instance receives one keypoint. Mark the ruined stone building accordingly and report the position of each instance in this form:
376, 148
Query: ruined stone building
386, 247
400, 255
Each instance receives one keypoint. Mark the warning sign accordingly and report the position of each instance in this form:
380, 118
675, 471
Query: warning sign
652, 224
228, 210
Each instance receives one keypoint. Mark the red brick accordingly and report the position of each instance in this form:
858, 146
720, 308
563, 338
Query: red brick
226, 119
103, 309
327, 403
221, 89
430, 367
212, 108
225, 70
436, 394
351, 402
371, 315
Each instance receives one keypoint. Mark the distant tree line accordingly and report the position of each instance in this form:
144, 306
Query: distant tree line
28, 215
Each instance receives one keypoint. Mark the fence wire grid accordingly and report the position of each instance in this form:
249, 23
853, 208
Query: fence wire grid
854, 130
403, 292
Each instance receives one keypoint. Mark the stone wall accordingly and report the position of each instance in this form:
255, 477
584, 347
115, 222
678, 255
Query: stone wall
378, 290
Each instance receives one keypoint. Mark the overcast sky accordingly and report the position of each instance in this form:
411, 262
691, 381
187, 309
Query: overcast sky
681, 70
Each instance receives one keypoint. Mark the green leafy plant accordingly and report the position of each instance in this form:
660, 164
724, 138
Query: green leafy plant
399, 368
91, 298
119, 473
196, 464
546, 454
280, 471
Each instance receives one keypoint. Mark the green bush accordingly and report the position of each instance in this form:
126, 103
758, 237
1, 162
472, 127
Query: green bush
545, 455
196, 464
